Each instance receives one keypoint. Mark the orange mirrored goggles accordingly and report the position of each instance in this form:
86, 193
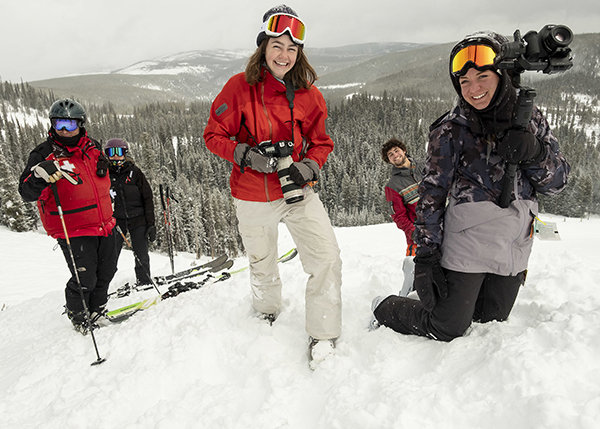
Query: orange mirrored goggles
279, 23
479, 55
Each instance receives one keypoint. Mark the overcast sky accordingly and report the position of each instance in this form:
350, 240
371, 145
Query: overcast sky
51, 38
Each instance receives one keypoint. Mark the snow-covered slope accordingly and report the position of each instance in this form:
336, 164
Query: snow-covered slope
201, 360
193, 62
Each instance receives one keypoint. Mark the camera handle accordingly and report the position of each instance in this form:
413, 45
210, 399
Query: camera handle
520, 119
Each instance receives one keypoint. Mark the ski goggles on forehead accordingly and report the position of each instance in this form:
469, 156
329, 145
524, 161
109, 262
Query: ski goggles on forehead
65, 124
479, 55
278, 24
116, 151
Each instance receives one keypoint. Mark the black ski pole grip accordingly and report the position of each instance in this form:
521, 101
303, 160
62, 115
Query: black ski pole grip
520, 119
162, 197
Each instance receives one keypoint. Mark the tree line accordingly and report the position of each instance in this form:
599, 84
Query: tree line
166, 143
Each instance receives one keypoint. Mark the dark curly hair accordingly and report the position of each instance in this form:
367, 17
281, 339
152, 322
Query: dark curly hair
393, 142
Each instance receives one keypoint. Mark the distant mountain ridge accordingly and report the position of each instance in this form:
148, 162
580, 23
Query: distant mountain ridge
407, 69
196, 75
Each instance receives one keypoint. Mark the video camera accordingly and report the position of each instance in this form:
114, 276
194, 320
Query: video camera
546, 51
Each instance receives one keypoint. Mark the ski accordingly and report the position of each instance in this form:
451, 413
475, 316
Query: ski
179, 287
120, 314
288, 256
127, 289
185, 273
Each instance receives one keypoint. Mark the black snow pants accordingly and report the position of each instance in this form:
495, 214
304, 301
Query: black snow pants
478, 297
139, 243
96, 261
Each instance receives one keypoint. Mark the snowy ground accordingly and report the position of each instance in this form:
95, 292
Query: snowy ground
202, 360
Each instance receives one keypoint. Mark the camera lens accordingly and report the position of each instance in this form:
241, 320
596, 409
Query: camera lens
556, 36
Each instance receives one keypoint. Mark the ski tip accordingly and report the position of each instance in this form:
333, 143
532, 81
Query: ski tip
288, 256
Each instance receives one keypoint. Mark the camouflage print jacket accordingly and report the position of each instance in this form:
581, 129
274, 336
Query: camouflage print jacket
457, 212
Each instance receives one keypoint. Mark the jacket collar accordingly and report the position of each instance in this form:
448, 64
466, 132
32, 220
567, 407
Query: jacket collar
404, 171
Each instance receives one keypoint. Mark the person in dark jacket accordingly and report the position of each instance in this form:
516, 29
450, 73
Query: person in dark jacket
73, 166
402, 194
472, 254
133, 205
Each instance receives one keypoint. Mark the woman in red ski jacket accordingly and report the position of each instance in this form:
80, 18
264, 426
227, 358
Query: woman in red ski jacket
74, 165
275, 105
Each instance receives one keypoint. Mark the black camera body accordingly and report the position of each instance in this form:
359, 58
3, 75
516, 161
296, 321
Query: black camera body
281, 154
546, 51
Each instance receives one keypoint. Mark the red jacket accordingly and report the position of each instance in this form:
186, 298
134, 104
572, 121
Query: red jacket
264, 109
87, 207
402, 194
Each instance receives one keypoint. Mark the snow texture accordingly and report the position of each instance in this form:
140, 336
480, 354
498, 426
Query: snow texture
203, 360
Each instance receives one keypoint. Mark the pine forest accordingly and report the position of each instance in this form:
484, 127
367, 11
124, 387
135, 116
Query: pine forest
166, 143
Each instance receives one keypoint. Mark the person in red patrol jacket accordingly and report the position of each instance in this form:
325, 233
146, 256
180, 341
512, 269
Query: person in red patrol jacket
77, 167
274, 105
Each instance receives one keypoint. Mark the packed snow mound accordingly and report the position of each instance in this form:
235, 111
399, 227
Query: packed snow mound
203, 360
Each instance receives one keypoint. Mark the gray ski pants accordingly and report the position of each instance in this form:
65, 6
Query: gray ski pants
311, 230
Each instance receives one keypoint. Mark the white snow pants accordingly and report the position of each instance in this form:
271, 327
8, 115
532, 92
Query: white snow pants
311, 230
408, 268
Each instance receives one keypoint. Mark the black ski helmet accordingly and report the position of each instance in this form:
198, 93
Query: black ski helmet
67, 109
489, 38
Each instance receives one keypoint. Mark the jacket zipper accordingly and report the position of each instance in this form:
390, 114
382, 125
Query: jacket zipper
94, 187
262, 99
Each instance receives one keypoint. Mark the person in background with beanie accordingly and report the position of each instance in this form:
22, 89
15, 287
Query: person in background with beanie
133, 205
275, 101
472, 255
73, 165
402, 194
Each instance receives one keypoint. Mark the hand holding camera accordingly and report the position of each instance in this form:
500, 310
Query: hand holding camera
247, 156
519, 145
304, 171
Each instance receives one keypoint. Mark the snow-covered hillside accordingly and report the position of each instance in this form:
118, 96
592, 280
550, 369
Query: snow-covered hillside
193, 62
201, 360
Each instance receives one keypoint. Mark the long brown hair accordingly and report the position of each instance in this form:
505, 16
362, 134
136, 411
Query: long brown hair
302, 75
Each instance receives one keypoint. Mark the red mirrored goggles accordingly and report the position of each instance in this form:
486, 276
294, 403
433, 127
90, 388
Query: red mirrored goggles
279, 23
477, 55
65, 124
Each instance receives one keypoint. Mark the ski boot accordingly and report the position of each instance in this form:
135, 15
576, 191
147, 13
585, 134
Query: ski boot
319, 350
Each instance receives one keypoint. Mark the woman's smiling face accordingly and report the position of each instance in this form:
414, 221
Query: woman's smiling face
280, 55
478, 87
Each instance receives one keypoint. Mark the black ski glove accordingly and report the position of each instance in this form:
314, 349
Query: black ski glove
519, 145
47, 170
101, 166
247, 156
151, 232
430, 281
304, 171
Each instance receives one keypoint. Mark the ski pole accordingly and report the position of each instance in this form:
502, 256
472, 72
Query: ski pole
171, 224
167, 229
85, 308
138, 259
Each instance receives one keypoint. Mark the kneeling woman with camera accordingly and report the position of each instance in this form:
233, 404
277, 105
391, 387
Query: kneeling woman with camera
472, 253
254, 117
